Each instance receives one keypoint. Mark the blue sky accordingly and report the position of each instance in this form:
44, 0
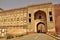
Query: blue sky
9, 4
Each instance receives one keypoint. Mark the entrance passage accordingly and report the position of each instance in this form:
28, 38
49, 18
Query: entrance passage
41, 18
41, 28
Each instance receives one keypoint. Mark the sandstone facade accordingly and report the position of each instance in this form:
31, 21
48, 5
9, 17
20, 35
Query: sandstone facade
40, 18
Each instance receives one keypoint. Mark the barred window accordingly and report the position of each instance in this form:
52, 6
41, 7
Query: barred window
29, 15
50, 13
39, 17
29, 20
51, 19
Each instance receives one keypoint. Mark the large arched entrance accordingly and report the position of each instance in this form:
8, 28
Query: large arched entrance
42, 24
41, 28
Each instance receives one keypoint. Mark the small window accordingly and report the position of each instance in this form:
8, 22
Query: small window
39, 17
50, 13
51, 19
29, 15
29, 20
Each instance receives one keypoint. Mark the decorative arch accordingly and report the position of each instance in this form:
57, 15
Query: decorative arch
40, 23
41, 15
41, 28
38, 14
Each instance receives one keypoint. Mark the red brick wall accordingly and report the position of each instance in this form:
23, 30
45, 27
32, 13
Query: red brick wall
57, 18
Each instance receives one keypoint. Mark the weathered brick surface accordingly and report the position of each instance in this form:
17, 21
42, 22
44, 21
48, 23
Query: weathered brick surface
57, 18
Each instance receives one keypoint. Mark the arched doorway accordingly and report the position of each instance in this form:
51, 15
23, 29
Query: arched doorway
42, 24
41, 28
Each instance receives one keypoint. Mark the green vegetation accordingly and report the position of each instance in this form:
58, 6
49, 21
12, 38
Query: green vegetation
10, 36
13, 36
20, 35
1, 37
56, 35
